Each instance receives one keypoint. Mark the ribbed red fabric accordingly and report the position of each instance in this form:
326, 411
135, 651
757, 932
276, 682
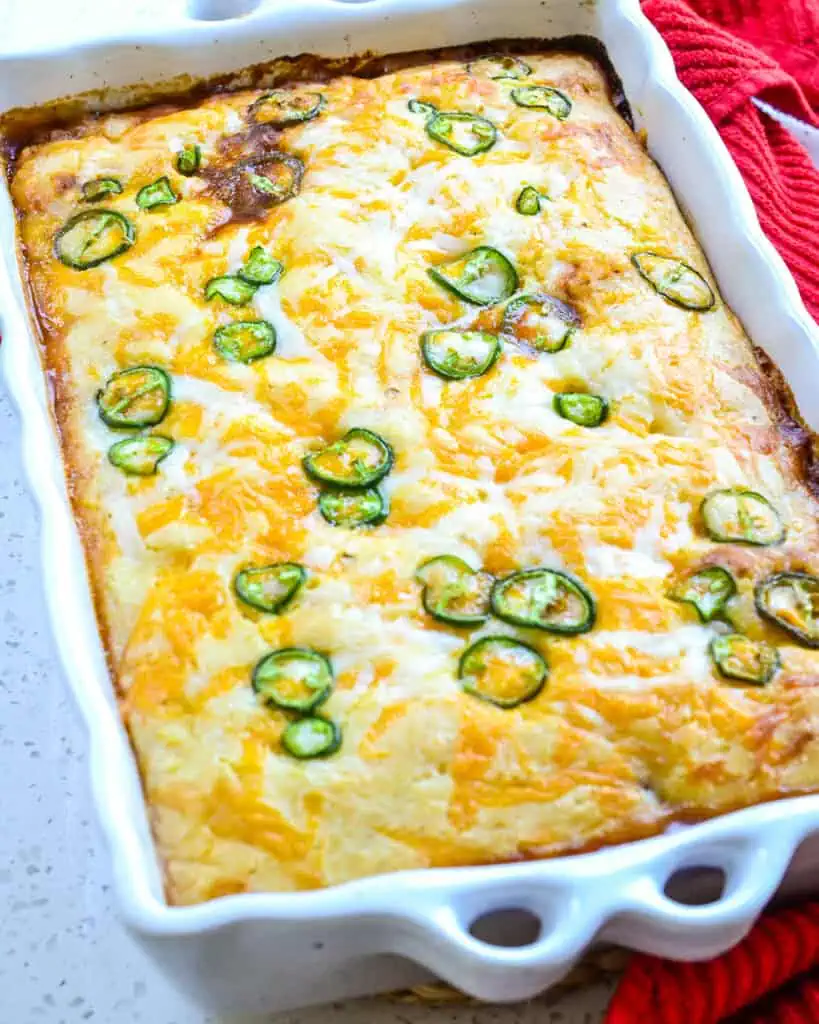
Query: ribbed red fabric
728, 51
797, 1003
783, 946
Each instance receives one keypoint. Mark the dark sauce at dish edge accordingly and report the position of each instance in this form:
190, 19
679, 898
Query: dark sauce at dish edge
64, 118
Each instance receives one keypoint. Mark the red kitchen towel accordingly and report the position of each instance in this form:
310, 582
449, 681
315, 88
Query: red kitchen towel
772, 976
728, 51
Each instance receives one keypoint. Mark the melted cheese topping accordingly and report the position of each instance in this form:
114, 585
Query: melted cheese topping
633, 728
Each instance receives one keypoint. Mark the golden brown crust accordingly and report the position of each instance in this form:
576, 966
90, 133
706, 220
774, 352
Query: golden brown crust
634, 729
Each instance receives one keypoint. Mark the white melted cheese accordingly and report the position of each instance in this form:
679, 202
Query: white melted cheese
216, 400
484, 470
690, 643
610, 562
290, 340
237, 250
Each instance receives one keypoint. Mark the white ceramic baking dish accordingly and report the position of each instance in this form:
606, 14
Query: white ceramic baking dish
263, 952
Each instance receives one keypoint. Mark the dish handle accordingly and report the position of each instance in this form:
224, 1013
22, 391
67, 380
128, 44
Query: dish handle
621, 897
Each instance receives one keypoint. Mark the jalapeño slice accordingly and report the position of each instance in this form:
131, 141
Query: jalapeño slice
353, 508
260, 267
158, 193
460, 354
482, 276
740, 516
738, 657
276, 178
584, 410
453, 591
92, 237
269, 588
675, 281
528, 201
544, 599
360, 459
294, 679
420, 107
245, 341
467, 134
311, 736
231, 288
499, 65
540, 321
502, 671
189, 160
708, 590
98, 189
791, 600
137, 397
140, 456
543, 97
282, 107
